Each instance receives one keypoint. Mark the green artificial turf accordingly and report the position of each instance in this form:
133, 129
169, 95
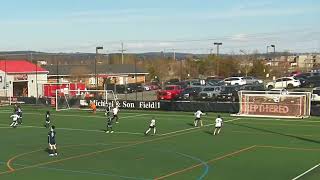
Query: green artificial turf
246, 149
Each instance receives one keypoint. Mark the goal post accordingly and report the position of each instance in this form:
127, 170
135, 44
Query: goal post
5, 97
66, 99
279, 104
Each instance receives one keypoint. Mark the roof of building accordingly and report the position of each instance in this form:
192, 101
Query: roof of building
113, 69
20, 66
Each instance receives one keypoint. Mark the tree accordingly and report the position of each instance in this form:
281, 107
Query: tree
259, 69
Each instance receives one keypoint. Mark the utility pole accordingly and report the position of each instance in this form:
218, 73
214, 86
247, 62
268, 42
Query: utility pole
122, 51
218, 44
174, 54
36, 63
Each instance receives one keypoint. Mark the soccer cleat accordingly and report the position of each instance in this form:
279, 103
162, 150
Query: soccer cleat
111, 132
117, 122
107, 131
51, 155
56, 154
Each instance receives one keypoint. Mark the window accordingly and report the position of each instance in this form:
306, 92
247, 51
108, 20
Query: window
279, 80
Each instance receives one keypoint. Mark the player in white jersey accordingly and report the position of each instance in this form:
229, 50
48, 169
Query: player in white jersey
115, 114
218, 125
15, 118
152, 126
197, 119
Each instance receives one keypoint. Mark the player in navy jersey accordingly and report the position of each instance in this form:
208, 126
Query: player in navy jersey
52, 142
47, 123
19, 113
109, 125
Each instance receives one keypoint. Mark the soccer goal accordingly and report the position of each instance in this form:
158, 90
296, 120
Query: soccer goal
5, 97
280, 104
82, 99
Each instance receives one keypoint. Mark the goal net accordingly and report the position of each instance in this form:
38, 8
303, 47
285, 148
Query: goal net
281, 104
5, 97
82, 99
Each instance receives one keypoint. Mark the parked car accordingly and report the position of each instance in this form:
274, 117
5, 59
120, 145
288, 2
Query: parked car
252, 87
252, 80
135, 87
151, 87
235, 81
172, 82
215, 82
313, 81
209, 93
284, 82
121, 89
169, 92
315, 97
229, 93
190, 93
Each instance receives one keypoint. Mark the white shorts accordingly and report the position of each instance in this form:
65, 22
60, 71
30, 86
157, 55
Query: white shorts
52, 146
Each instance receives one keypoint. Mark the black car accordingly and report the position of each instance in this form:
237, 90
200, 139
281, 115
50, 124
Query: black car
252, 87
121, 89
313, 81
190, 93
135, 87
229, 93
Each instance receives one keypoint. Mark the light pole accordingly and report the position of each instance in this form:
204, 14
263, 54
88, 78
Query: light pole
247, 58
95, 65
122, 51
218, 44
274, 48
36, 64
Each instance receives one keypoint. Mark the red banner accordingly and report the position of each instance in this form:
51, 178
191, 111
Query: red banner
273, 105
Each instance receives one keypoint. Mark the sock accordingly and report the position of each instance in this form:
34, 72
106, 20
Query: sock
154, 130
148, 131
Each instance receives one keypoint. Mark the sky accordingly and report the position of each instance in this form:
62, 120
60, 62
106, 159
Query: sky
190, 26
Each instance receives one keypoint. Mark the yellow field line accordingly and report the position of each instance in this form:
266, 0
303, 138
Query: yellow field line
9, 162
247, 132
96, 152
207, 162
302, 125
288, 148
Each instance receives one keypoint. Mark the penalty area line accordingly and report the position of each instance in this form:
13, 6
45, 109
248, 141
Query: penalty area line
306, 172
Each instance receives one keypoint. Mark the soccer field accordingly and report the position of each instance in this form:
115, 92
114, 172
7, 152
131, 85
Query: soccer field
246, 149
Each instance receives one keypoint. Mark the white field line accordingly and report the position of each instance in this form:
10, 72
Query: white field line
127, 113
70, 115
116, 132
72, 129
182, 130
306, 172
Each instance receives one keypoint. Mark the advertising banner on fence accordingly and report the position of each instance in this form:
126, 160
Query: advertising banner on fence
273, 105
155, 105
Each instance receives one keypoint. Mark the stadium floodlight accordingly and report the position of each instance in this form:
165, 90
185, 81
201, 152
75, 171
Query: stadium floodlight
95, 65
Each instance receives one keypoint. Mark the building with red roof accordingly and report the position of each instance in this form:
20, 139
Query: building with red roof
21, 78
